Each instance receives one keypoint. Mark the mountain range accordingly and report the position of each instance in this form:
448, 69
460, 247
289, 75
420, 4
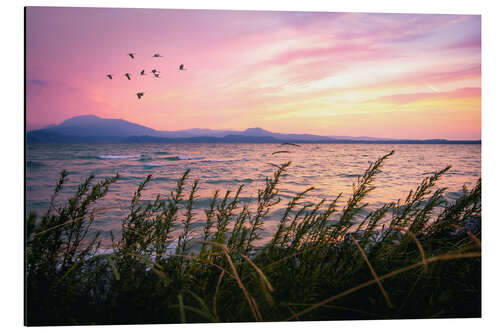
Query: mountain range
93, 129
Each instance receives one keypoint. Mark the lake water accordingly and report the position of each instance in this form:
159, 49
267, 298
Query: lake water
330, 168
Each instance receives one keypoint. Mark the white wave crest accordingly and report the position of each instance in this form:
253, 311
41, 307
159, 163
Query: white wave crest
152, 164
184, 158
227, 160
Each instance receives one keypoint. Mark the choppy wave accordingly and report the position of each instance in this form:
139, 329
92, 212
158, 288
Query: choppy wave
191, 157
86, 163
118, 156
227, 161
349, 175
235, 181
34, 164
130, 177
152, 165
165, 179
184, 158
87, 157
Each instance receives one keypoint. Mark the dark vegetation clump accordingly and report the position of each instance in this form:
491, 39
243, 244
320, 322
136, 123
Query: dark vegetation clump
417, 258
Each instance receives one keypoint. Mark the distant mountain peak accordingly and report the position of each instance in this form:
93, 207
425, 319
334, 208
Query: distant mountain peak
93, 127
85, 116
83, 119
256, 131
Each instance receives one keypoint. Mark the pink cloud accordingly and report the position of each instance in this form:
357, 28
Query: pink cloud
408, 98
344, 51
474, 42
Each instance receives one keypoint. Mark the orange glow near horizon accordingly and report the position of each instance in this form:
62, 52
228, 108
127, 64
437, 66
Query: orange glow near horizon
382, 75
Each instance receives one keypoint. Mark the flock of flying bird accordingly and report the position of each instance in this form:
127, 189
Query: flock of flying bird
155, 72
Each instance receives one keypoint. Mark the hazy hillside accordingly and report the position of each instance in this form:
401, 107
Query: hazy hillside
91, 129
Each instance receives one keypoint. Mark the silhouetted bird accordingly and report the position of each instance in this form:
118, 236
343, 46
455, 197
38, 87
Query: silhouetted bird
139, 95
127, 75
143, 72
154, 71
110, 76
157, 55
181, 67
131, 55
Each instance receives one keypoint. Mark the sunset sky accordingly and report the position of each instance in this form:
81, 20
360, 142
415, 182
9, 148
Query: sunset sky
381, 75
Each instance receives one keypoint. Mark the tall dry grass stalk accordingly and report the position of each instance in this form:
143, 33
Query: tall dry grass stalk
317, 265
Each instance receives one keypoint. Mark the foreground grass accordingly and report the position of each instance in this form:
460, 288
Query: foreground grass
408, 259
